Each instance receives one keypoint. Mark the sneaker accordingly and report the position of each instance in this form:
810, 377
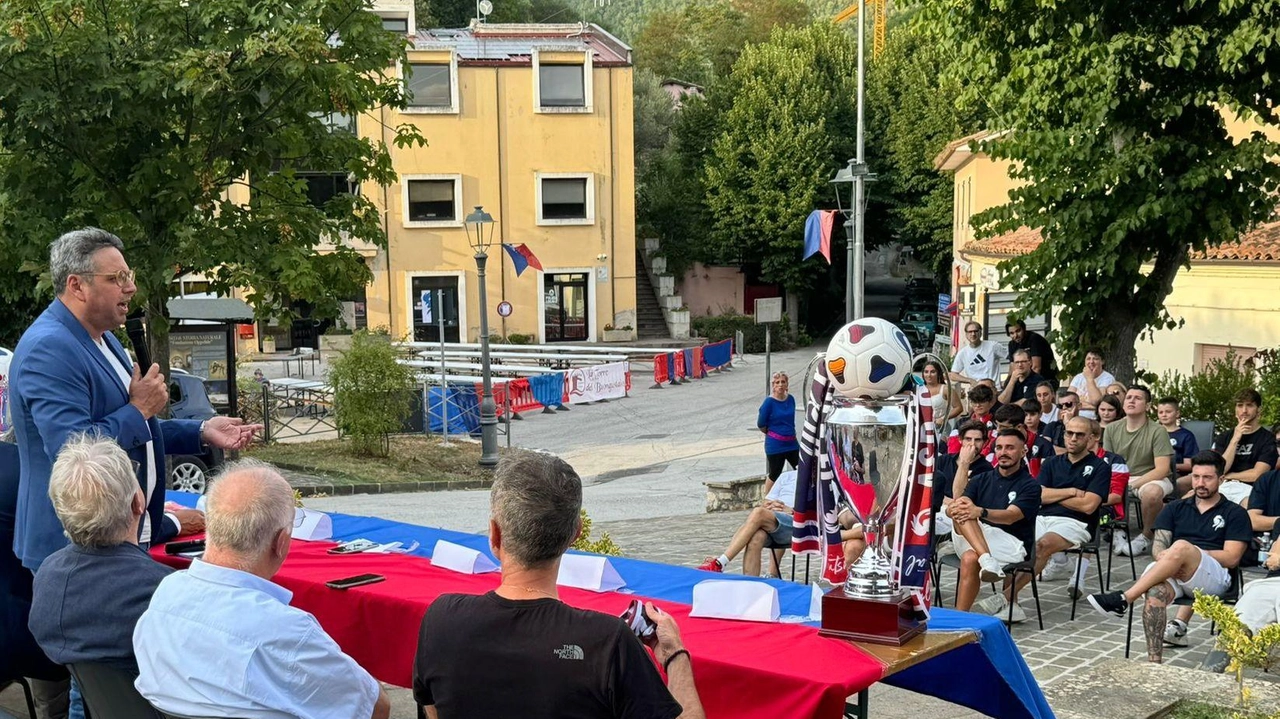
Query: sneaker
1112, 603
994, 605
712, 565
1120, 542
1056, 570
990, 569
1215, 661
1076, 589
1019, 616
1140, 544
1175, 633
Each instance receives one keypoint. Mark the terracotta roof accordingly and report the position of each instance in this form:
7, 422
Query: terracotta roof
514, 44
1262, 244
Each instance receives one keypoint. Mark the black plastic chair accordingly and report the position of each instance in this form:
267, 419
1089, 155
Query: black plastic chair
1089, 547
1229, 597
1131, 524
109, 693
1027, 566
776, 552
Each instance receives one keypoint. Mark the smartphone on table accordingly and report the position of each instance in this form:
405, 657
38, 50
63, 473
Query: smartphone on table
358, 580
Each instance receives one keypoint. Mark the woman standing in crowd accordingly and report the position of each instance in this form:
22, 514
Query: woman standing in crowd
946, 405
777, 419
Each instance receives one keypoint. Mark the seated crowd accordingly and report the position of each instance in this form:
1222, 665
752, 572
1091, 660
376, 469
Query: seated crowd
220, 639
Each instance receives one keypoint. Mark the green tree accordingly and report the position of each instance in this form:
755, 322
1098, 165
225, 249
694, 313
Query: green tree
150, 117
1118, 134
907, 126
654, 115
372, 391
787, 126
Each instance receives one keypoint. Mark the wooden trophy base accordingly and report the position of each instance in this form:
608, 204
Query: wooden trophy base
879, 621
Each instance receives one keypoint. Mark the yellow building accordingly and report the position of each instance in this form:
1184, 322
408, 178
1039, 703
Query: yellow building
534, 123
1227, 298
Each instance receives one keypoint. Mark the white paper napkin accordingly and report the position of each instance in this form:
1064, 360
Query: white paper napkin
729, 599
461, 559
311, 525
589, 572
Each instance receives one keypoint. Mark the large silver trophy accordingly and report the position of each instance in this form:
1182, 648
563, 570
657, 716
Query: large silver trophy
867, 444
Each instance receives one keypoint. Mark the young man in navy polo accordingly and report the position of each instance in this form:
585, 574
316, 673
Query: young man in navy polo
1249, 449
969, 460
995, 517
1074, 486
1201, 537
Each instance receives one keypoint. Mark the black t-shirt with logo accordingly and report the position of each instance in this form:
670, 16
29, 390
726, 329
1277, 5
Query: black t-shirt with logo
1092, 474
488, 656
944, 475
1025, 389
1226, 522
995, 491
1265, 495
1257, 446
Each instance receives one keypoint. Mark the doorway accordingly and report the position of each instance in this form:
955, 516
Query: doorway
565, 306
428, 309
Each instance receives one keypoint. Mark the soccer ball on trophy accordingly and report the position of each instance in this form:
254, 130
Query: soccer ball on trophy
868, 359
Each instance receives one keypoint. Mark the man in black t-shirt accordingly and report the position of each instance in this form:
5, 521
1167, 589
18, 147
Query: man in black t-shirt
1042, 360
1022, 381
995, 517
1068, 407
973, 434
1264, 501
1201, 538
1249, 449
518, 650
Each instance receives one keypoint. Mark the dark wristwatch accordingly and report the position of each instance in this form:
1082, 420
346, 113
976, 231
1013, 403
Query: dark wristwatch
984, 513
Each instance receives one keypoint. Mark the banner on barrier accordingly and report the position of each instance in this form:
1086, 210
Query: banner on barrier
597, 382
718, 354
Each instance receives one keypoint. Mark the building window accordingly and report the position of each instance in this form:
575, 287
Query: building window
432, 200
565, 199
323, 186
430, 85
562, 85
398, 25
1206, 355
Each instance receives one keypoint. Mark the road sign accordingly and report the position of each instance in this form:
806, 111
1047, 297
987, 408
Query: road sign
768, 309
504, 309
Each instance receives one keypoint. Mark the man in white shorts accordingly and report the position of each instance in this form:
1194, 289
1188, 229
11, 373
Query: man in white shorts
1197, 541
994, 517
1073, 486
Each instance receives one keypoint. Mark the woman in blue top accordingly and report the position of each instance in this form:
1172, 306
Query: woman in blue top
777, 419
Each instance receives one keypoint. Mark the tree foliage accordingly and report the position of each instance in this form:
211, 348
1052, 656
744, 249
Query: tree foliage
787, 124
1116, 122
372, 392
907, 126
155, 119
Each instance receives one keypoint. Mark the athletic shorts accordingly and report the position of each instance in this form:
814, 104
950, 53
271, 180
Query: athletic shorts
1072, 530
1006, 548
1210, 578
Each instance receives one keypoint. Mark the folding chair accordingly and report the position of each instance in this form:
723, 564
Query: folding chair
109, 693
1230, 597
1026, 566
1131, 524
26, 691
777, 550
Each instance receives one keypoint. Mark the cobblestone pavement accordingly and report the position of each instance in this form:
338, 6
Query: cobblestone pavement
1064, 648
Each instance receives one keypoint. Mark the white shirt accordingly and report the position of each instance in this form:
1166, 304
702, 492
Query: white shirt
981, 362
219, 642
126, 377
1047, 417
784, 488
1105, 379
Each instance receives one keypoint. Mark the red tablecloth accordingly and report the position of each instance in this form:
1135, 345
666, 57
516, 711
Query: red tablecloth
741, 668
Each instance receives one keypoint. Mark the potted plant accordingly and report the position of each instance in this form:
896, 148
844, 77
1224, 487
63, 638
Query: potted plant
336, 339
620, 334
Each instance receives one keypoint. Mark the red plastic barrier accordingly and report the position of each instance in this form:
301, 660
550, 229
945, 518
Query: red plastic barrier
661, 374
699, 364
519, 393
679, 372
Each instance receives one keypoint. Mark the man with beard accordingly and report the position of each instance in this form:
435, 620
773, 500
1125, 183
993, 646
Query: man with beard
1197, 541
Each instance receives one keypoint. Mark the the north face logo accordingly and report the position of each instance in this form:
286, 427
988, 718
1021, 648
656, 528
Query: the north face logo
1219, 522
569, 651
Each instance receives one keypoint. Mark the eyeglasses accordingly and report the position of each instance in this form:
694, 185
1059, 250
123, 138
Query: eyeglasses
121, 277
1066, 405
973, 332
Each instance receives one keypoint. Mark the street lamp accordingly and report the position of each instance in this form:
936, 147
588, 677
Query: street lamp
854, 175
480, 236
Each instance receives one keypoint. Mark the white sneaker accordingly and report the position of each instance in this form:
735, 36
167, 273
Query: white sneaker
1175, 633
1120, 543
1140, 544
1076, 590
1019, 616
991, 570
994, 605
1055, 570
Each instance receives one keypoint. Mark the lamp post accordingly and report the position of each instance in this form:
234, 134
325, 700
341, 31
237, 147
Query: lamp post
854, 174
480, 236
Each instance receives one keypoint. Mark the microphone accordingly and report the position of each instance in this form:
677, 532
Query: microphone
135, 325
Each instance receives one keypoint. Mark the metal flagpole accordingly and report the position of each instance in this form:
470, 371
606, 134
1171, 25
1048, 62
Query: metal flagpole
859, 189
444, 371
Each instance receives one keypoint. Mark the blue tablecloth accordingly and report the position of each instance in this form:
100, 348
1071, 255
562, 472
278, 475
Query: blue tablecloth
989, 676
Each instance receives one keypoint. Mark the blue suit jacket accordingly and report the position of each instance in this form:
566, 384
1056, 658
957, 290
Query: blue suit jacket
60, 383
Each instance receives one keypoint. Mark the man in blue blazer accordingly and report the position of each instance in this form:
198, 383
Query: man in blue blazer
70, 374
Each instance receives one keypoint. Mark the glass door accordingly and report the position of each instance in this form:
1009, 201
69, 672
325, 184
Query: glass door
565, 301
427, 308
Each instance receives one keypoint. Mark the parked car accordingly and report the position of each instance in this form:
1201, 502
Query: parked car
924, 322
189, 399
911, 305
922, 287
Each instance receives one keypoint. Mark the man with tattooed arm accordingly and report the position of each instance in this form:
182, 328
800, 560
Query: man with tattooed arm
1197, 541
